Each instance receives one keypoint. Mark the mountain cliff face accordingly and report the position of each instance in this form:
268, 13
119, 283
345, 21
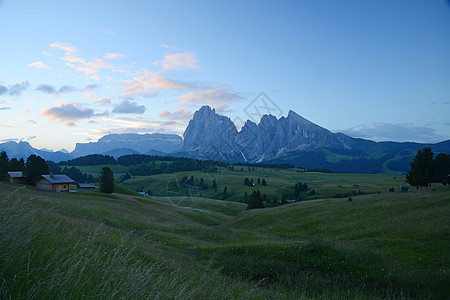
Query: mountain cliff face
140, 143
272, 138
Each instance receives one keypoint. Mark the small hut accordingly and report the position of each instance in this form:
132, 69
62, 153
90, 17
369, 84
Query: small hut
55, 183
16, 177
85, 186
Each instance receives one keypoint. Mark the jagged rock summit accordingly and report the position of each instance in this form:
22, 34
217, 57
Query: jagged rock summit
210, 135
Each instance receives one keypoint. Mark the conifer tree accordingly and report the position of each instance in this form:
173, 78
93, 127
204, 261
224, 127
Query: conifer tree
106, 180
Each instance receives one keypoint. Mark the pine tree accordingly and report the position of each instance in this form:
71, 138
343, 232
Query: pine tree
255, 200
421, 172
225, 191
106, 180
263, 183
442, 168
4, 163
35, 167
214, 184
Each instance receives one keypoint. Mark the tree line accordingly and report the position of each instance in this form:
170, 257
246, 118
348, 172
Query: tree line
36, 166
426, 169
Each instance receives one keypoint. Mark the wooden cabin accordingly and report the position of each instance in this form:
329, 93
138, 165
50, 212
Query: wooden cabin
55, 183
16, 177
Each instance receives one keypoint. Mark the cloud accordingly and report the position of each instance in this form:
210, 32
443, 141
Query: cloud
127, 107
18, 88
103, 100
32, 122
173, 48
9, 126
48, 89
133, 125
179, 61
90, 96
39, 65
4, 108
113, 55
4, 103
394, 132
92, 67
66, 89
89, 68
14, 90
68, 112
218, 96
63, 46
151, 80
179, 115
91, 87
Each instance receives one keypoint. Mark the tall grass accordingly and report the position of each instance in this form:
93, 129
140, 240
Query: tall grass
87, 245
44, 255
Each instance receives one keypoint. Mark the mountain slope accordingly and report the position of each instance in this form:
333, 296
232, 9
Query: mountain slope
294, 139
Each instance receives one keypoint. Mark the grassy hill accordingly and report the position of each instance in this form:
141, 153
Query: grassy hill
281, 181
91, 245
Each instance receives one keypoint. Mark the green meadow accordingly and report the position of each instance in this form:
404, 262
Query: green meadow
324, 185
97, 246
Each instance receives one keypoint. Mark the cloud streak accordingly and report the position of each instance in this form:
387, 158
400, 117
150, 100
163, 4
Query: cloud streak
179, 115
14, 90
394, 132
127, 107
151, 80
89, 68
68, 113
48, 89
39, 65
217, 96
179, 61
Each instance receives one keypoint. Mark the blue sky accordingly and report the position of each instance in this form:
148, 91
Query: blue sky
74, 71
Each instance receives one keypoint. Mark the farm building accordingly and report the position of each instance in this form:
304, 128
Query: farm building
56, 183
16, 177
86, 186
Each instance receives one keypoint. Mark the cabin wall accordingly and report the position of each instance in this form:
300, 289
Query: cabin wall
61, 187
44, 185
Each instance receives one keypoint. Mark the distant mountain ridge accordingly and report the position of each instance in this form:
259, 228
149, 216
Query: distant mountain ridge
24, 149
291, 139
136, 143
294, 139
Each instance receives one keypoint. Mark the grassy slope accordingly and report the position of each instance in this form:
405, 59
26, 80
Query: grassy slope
110, 246
279, 181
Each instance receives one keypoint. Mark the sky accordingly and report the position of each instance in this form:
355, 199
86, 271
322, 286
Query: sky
74, 71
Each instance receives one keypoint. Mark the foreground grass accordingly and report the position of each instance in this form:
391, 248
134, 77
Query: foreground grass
89, 245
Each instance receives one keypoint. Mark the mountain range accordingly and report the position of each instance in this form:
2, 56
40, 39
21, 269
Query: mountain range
291, 139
